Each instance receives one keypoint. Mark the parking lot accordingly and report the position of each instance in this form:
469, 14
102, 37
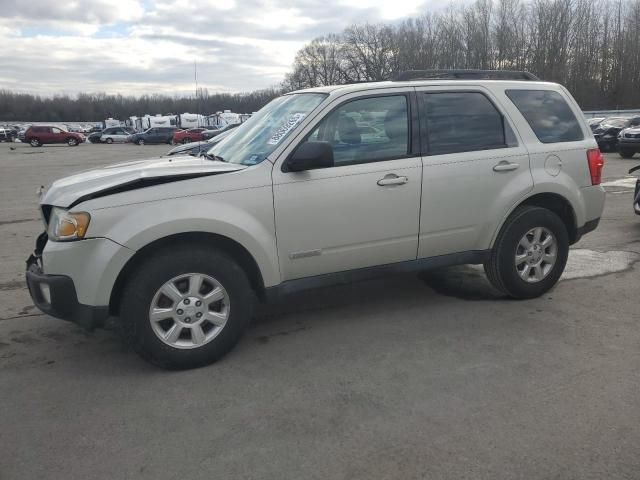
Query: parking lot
416, 376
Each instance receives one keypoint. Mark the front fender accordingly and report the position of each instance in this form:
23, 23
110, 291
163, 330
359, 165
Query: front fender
245, 216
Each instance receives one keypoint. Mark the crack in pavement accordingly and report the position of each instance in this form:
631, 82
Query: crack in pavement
22, 220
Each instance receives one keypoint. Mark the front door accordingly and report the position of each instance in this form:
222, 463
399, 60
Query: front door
364, 210
57, 135
475, 169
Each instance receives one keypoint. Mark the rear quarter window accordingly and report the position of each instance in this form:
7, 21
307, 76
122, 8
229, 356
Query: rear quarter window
548, 115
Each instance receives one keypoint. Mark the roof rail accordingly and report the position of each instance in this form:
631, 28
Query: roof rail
410, 75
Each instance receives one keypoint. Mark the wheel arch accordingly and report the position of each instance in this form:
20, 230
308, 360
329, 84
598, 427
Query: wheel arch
211, 240
555, 202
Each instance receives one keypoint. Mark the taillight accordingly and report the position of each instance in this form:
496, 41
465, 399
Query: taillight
596, 162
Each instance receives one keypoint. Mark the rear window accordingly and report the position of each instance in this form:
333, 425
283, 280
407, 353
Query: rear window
548, 115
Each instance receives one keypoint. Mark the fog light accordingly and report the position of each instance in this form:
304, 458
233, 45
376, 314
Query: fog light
46, 292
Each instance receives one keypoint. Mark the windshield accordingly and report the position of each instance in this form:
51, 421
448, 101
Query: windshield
256, 138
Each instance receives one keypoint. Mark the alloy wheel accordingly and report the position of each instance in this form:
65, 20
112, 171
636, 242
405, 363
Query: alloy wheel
189, 310
536, 254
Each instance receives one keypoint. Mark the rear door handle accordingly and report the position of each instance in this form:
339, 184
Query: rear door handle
392, 179
505, 166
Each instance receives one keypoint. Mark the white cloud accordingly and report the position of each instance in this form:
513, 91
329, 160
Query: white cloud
148, 46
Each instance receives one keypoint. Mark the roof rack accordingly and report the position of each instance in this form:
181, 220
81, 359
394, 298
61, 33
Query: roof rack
410, 75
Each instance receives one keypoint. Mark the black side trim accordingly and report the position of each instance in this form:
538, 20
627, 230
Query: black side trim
140, 183
589, 226
473, 257
64, 301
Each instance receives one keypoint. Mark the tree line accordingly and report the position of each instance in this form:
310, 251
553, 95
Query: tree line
86, 107
590, 46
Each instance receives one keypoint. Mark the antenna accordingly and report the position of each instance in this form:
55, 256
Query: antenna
195, 75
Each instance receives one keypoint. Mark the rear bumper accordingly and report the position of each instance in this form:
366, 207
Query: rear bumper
56, 295
589, 226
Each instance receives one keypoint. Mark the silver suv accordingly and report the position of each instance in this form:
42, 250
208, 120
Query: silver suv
323, 185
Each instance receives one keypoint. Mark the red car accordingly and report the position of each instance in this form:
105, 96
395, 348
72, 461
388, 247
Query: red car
37, 135
188, 136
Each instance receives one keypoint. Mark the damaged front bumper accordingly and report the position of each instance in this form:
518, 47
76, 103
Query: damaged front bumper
56, 295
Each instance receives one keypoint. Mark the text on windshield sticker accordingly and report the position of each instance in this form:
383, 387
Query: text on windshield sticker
284, 129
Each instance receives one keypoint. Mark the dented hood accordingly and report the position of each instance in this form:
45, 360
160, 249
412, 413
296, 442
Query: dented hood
100, 182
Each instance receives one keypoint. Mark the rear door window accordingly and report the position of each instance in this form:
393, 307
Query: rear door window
464, 122
548, 115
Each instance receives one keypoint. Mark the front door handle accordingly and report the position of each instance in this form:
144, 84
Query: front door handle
392, 179
505, 166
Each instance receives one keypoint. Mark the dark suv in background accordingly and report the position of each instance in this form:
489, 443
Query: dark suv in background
607, 131
154, 135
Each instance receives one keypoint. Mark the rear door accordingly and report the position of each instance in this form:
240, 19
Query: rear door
164, 134
46, 135
475, 169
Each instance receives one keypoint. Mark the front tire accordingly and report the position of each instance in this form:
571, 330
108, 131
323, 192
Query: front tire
529, 254
72, 142
185, 141
140, 141
187, 307
109, 141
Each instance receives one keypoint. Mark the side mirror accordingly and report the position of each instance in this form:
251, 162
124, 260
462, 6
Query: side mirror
309, 156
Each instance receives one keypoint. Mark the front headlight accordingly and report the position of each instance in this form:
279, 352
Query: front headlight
65, 226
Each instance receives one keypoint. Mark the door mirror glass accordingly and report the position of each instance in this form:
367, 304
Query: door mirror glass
310, 156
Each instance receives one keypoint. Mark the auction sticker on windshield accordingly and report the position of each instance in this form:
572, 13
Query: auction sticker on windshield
293, 120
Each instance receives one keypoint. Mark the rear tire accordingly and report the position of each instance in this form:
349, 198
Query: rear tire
624, 153
142, 292
186, 140
34, 142
522, 273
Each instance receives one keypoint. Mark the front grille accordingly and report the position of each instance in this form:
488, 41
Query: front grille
632, 135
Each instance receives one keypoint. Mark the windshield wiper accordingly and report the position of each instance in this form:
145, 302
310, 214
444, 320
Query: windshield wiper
212, 156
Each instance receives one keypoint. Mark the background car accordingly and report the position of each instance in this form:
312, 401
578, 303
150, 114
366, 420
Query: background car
636, 193
214, 132
594, 122
22, 131
629, 142
154, 135
188, 136
95, 137
8, 134
116, 135
606, 132
37, 135
198, 148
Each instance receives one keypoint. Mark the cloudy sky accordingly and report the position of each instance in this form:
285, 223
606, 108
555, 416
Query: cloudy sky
149, 46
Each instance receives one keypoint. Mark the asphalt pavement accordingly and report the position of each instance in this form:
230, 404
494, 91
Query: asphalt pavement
431, 376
